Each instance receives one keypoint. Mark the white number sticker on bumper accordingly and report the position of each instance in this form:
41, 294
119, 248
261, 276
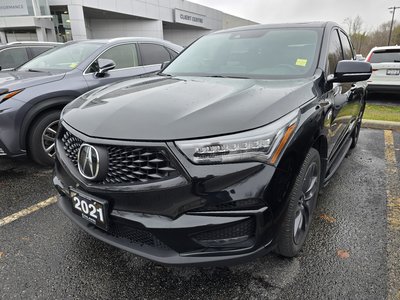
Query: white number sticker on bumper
94, 211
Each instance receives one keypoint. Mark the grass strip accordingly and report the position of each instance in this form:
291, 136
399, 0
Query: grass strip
382, 112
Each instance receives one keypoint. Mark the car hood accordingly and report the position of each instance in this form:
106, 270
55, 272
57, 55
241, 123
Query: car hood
160, 108
21, 80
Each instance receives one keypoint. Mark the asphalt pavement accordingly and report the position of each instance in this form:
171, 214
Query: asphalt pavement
43, 255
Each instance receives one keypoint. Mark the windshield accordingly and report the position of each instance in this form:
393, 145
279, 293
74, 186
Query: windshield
261, 53
64, 58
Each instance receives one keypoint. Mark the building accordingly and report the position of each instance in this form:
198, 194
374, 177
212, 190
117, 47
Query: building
178, 21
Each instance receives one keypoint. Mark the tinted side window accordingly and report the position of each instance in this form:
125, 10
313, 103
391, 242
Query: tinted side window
39, 50
347, 49
335, 52
153, 54
13, 57
124, 56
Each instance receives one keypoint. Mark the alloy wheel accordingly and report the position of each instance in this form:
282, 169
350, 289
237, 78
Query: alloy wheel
305, 203
49, 137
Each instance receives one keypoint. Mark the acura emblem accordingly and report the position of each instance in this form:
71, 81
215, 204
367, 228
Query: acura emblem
88, 161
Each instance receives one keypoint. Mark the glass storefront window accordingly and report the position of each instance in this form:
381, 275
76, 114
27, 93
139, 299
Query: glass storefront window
61, 23
44, 7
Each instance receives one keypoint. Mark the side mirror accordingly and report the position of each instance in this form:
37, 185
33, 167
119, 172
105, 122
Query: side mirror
105, 65
164, 65
351, 71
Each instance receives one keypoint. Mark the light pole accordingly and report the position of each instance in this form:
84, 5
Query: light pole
393, 8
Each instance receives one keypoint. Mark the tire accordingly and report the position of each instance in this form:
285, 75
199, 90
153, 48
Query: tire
41, 136
355, 134
302, 201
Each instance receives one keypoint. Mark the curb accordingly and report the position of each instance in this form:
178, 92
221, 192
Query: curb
374, 124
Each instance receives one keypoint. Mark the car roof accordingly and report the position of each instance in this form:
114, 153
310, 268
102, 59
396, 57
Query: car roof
282, 25
386, 48
31, 43
130, 39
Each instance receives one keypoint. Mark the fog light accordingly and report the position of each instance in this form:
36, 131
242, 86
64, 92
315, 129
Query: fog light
236, 235
223, 242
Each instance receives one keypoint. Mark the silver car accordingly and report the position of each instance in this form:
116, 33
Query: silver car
32, 97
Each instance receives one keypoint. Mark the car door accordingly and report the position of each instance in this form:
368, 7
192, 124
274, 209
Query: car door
126, 59
337, 98
153, 55
354, 91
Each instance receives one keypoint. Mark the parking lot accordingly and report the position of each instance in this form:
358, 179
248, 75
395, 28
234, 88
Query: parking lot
352, 250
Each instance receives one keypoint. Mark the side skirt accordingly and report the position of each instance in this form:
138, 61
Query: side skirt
338, 158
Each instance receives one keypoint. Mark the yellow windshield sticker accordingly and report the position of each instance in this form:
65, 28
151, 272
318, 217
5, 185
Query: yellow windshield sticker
73, 65
301, 62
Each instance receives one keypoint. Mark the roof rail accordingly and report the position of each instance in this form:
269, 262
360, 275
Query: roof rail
31, 42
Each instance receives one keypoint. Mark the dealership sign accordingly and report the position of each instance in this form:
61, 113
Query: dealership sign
13, 8
189, 18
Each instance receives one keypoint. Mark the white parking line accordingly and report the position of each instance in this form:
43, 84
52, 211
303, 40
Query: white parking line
27, 211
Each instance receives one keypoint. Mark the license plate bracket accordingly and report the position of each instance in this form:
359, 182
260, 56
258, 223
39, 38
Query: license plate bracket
89, 208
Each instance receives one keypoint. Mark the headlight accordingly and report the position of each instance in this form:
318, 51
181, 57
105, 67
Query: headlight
264, 144
5, 94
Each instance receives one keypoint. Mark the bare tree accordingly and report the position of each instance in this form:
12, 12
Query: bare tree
363, 41
356, 32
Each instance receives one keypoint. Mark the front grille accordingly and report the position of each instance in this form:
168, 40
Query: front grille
242, 229
135, 236
127, 164
2, 152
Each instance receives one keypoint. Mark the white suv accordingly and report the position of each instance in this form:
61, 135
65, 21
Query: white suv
385, 63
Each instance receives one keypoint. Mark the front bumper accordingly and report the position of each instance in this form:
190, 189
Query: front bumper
161, 252
193, 219
11, 116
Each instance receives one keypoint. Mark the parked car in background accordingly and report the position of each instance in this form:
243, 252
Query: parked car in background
32, 97
220, 157
360, 57
385, 63
13, 55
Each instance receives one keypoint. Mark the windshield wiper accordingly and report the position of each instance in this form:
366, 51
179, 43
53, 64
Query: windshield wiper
227, 76
164, 74
34, 70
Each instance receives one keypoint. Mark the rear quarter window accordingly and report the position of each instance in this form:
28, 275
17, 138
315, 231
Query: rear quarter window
385, 56
13, 57
39, 50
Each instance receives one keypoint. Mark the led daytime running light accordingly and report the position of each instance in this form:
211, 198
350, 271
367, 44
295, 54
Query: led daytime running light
232, 148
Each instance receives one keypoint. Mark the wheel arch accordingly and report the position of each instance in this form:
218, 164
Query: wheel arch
290, 163
39, 110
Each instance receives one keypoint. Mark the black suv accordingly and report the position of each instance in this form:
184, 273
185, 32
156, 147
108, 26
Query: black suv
15, 54
220, 156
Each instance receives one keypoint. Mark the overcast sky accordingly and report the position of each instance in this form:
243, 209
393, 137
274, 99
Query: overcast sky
372, 12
